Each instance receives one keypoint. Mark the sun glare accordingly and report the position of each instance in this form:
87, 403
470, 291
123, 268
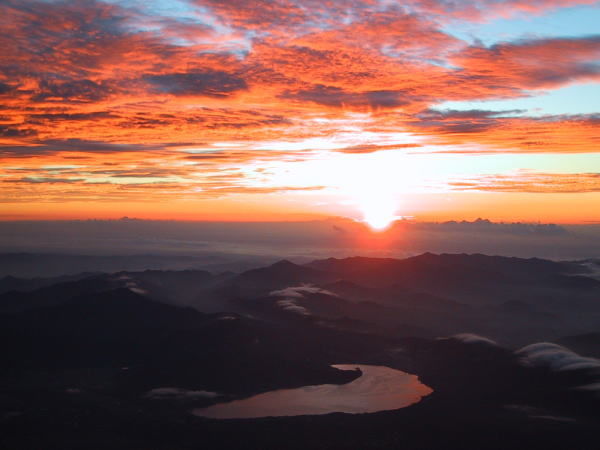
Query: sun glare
378, 211
371, 184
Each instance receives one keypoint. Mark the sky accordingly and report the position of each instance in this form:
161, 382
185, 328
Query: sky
256, 110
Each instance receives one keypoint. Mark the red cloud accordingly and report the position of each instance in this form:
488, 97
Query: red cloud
534, 64
556, 134
98, 81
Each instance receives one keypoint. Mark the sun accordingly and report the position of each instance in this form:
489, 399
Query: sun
378, 210
366, 187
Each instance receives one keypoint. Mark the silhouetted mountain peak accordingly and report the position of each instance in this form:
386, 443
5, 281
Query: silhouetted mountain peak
284, 264
282, 274
283, 268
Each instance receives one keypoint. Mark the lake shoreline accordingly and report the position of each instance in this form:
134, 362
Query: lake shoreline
378, 388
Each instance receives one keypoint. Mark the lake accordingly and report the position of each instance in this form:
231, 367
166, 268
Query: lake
379, 388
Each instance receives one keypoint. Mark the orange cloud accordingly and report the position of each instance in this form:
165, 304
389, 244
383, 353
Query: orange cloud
510, 134
133, 105
549, 183
533, 64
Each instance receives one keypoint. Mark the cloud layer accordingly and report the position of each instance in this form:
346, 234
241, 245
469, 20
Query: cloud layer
206, 93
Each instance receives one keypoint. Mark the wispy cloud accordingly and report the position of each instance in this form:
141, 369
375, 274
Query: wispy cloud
292, 296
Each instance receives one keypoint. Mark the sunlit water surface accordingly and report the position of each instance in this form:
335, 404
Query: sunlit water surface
379, 388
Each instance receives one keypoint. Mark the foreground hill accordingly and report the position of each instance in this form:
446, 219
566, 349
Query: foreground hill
119, 360
143, 344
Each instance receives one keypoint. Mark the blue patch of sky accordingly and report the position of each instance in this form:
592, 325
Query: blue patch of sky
177, 10
185, 12
164, 8
566, 22
573, 22
575, 99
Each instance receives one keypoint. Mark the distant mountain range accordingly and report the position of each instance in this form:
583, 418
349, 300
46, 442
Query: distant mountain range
513, 300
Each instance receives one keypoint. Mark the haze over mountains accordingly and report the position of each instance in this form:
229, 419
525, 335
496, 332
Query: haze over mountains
55, 248
509, 299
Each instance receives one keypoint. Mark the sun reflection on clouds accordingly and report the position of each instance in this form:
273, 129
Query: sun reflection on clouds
372, 183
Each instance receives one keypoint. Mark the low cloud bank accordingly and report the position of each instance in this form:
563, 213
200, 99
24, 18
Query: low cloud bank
291, 306
301, 291
173, 393
470, 338
487, 226
556, 357
295, 293
131, 284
